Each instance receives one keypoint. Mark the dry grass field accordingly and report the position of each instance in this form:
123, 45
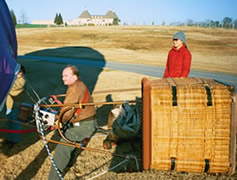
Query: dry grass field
212, 50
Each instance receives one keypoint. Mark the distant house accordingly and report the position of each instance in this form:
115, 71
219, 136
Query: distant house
110, 18
40, 22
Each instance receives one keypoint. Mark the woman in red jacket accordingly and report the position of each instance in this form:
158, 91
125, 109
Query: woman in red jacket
179, 58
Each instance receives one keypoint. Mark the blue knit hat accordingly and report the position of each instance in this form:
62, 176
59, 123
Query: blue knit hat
180, 35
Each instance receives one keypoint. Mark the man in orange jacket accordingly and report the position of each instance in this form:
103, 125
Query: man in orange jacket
82, 121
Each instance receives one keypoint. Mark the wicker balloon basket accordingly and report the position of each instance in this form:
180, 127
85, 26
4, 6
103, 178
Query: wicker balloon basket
189, 125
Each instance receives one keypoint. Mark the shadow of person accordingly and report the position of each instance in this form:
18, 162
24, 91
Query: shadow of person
102, 113
10, 149
27, 130
44, 74
31, 170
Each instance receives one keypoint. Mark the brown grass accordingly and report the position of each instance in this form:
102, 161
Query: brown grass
212, 49
147, 45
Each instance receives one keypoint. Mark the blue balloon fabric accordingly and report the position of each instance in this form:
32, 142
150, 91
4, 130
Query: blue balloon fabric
8, 52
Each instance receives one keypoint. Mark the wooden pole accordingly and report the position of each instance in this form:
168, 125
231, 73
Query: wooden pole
80, 105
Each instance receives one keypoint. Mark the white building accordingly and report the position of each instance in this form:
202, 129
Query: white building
40, 22
86, 18
110, 18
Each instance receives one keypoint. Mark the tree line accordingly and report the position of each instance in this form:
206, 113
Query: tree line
227, 22
58, 20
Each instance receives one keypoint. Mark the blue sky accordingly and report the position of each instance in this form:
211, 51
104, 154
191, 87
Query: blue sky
129, 11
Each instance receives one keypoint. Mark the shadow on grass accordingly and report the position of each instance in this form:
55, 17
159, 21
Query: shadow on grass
90, 63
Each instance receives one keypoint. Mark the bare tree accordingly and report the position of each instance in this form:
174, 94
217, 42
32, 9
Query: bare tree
190, 22
163, 23
235, 24
23, 18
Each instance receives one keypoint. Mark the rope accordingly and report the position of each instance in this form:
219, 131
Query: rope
127, 158
17, 131
32, 99
47, 148
117, 165
33, 90
35, 93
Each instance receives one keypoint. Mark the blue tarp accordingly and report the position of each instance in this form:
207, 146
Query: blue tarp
8, 52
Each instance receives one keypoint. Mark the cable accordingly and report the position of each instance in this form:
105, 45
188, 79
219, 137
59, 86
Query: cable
47, 148
34, 91
117, 165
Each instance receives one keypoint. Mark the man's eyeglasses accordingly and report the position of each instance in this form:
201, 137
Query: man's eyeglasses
175, 39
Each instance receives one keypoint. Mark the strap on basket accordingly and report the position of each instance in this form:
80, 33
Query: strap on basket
172, 167
209, 98
207, 166
174, 95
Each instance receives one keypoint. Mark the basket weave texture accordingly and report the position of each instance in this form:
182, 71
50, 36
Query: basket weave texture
190, 125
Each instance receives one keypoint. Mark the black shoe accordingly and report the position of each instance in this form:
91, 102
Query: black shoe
11, 144
8, 143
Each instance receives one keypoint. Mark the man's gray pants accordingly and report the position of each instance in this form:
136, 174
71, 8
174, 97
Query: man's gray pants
63, 153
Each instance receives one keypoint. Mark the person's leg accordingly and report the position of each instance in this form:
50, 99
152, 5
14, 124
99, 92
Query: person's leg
79, 133
61, 158
14, 137
63, 153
